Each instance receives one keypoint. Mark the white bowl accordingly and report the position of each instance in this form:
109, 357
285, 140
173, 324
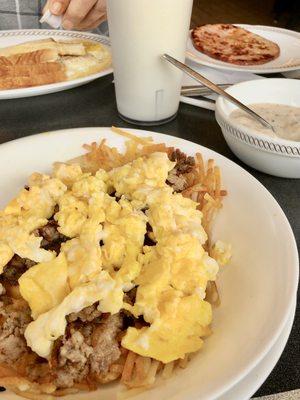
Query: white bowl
257, 289
274, 156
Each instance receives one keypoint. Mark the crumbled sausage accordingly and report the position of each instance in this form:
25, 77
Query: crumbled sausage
52, 241
184, 165
105, 346
89, 348
87, 314
15, 268
52, 238
12, 327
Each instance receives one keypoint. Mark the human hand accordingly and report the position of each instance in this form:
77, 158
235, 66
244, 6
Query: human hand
79, 14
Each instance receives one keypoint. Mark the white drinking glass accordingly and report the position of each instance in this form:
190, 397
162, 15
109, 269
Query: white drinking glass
147, 87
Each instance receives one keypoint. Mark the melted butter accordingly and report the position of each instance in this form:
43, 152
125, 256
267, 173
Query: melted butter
284, 119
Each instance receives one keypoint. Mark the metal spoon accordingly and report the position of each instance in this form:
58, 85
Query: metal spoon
195, 75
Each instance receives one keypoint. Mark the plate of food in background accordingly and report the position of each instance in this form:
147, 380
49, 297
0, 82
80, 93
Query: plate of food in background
252, 48
36, 62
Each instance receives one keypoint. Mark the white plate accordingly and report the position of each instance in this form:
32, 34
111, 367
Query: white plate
289, 59
13, 37
252, 382
261, 278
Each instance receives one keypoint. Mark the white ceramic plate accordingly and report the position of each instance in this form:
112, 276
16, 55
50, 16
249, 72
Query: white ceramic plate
261, 278
13, 37
252, 382
289, 59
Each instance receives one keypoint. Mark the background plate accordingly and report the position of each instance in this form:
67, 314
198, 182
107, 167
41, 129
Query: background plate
289, 59
13, 37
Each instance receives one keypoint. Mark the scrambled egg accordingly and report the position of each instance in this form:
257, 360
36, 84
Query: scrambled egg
24, 214
176, 332
221, 252
171, 289
41, 333
35, 288
104, 218
149, 171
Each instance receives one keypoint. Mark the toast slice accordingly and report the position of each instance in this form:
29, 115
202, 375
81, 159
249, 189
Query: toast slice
78, 67
62, 47
32, 58
48, 61
21, 76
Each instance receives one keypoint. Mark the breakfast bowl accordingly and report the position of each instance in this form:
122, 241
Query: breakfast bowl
261, 277
266, 153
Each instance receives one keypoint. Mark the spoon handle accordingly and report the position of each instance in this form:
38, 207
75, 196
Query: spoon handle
200, 78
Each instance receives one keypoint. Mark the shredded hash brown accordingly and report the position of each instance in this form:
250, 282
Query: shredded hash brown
203, 185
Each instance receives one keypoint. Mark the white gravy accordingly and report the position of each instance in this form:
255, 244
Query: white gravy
284, 119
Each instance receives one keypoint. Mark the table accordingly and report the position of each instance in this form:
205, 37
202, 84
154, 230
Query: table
94, 105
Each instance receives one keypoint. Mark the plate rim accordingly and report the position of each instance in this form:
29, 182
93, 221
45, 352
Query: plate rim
279, 344
85, 131
24, 92
233, 67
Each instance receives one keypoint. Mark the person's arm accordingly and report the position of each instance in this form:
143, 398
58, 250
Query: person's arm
79, 14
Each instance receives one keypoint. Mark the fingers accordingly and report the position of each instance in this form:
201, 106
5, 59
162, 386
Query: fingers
91, 25
101, 6
76, 13
46, 6
57, 7
94, 18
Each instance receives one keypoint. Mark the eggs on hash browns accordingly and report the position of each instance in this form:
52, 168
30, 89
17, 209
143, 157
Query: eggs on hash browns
125, 230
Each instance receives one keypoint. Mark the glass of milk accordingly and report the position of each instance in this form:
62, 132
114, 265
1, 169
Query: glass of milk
147, 87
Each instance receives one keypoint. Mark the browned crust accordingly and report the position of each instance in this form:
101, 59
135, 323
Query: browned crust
32, 58
30, 70
257, 59
67, 47
21, 76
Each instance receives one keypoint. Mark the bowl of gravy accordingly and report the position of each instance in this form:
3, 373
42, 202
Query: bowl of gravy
277, 101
